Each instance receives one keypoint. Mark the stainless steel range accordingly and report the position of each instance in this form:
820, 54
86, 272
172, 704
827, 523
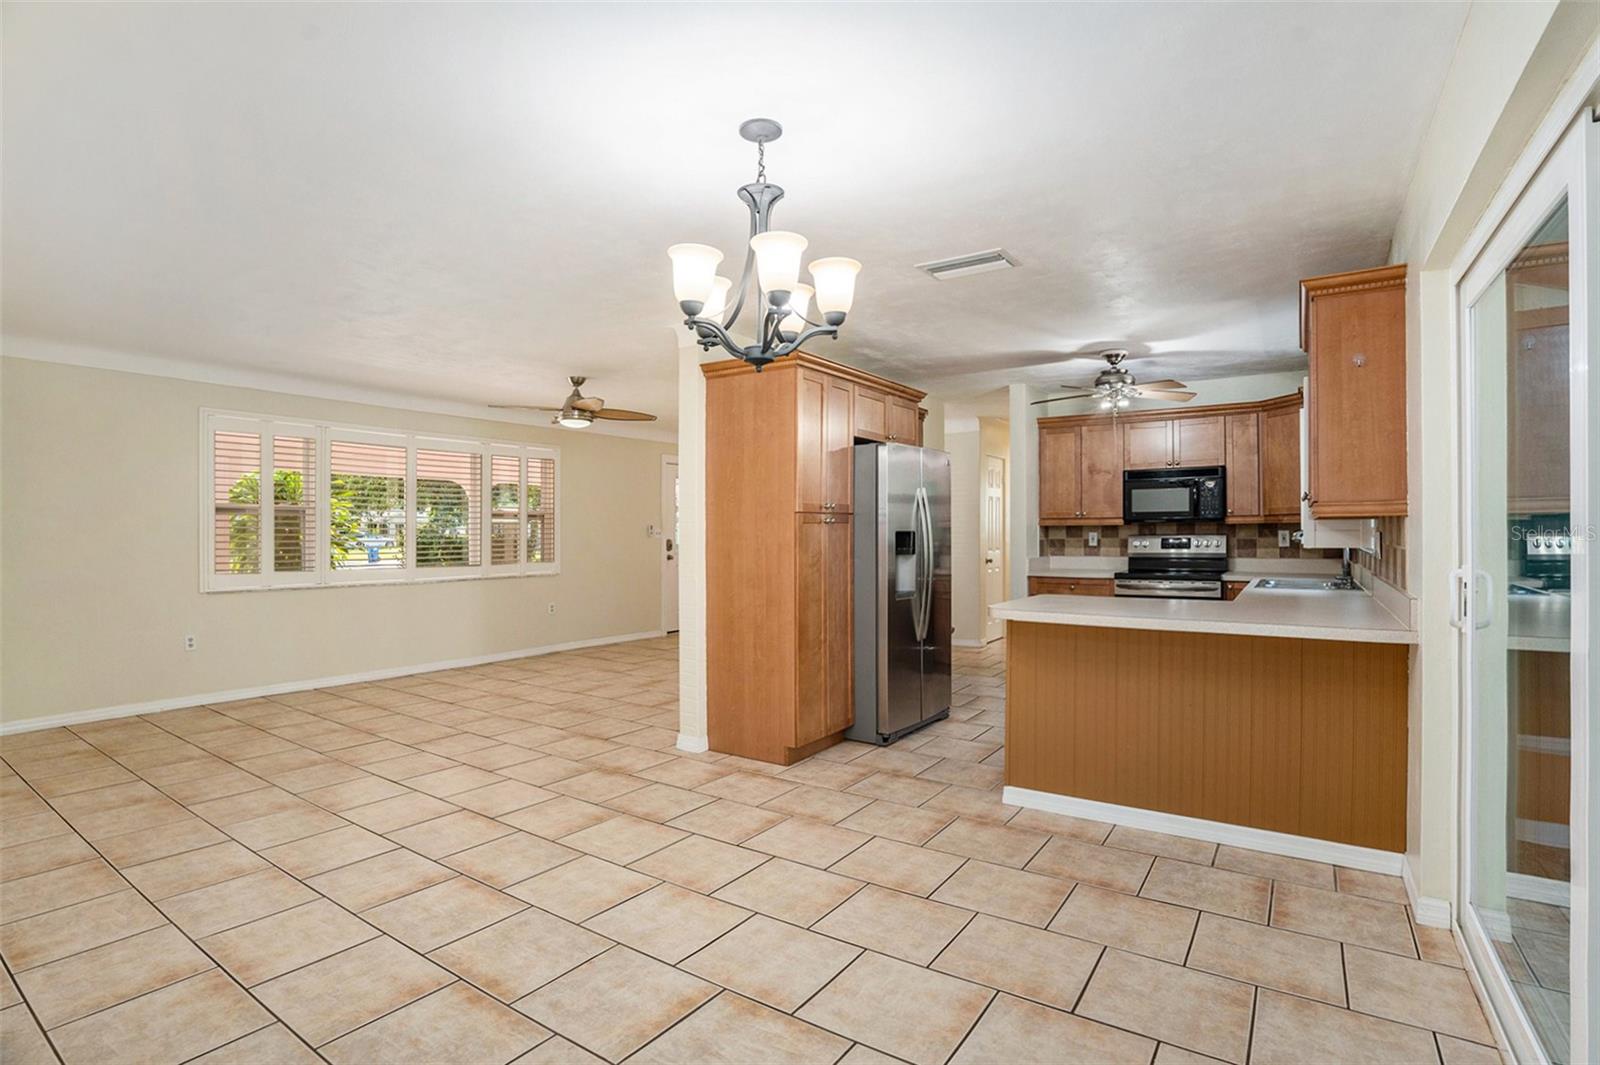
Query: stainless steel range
1174, 567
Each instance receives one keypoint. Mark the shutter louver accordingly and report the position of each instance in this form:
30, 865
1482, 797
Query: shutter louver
449, 508
505, 511
541, 510
236, 502
294, 504
366, 505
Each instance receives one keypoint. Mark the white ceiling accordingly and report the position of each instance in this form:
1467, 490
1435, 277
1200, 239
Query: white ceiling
471, 202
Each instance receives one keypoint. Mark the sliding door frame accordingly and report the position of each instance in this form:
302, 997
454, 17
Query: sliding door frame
1571, 169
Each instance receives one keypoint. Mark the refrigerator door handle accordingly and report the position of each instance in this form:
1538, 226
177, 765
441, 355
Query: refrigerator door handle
916, 600
925, 564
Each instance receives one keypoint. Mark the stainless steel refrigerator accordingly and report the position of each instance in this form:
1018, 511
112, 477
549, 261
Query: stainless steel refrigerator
902, 590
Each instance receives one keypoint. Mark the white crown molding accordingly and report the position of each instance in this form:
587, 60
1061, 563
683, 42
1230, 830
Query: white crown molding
38, 350
1367, 859
178, 702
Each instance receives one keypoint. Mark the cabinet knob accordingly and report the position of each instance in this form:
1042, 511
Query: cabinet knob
1305, 497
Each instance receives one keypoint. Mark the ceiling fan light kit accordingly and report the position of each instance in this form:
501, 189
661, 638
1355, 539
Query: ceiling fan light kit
774, 256
580, 411
1115, 388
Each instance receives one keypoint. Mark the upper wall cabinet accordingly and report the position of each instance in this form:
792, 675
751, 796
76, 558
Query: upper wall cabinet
1080, 474
1082, 456
1152, 444
1353, 326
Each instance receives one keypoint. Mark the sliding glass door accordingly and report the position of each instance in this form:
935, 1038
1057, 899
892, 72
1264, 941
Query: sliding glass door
1526, 602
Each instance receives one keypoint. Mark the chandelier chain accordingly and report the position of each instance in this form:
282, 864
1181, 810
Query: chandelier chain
761, 162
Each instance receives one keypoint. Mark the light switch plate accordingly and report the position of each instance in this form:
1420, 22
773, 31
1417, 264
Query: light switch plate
1283, 537
1094, 537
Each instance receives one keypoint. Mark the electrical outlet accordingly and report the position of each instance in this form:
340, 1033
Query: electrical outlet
552, 608
1283, 537
1094, 537
189, 643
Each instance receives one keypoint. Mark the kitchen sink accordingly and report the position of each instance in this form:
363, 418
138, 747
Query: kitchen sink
1306, 584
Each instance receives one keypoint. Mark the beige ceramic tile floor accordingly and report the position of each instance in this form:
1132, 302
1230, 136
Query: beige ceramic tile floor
513, 863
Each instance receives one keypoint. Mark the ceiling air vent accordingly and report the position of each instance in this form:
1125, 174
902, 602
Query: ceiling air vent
979, 262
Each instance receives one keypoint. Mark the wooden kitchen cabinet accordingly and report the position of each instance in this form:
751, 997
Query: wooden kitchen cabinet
1080, 474
1082, 458
1353, 326
1242, 459
1060, 472
823, 584
871, 414
779, 571
1157, 443
1231, 589
1100, 481
1146, 445
1198, 442
1280, 461
824, 462
904, 425
1071, 586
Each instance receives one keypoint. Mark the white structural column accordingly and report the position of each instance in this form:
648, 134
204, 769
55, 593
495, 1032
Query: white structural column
1022, 487
691, 544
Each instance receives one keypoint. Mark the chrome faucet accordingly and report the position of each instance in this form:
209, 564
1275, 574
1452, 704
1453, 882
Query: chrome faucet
1344, 582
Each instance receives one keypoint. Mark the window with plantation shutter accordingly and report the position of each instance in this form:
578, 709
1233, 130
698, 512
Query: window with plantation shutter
236, 502
349, 505
449, 508
294, 504
366, 505
505, 509
541, 509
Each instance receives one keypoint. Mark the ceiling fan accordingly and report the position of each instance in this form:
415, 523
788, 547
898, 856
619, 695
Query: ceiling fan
1115, 387
580, 411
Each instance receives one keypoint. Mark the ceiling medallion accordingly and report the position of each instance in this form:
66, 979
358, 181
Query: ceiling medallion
781, 300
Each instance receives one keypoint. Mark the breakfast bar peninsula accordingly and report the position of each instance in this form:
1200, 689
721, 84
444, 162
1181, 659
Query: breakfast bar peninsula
1276, 720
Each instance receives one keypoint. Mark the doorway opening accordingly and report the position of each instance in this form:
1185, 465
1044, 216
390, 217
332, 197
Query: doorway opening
668, 534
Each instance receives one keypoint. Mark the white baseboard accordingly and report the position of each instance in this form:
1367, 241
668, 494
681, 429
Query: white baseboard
177, 702
1429, 910
1258, 839
1539, 889
693, 744
968, 643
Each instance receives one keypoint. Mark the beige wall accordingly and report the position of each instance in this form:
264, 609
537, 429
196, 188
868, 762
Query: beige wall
1510, 63
101, 576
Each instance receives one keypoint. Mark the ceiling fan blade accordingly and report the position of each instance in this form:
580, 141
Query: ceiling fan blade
593, 403
1165, 393
617, 414
1165, 386
519, 406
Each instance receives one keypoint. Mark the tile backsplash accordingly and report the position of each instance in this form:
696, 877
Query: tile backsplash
1391, 568
1244, 541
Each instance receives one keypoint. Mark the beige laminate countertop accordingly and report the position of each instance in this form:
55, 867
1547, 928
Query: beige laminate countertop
1304, 615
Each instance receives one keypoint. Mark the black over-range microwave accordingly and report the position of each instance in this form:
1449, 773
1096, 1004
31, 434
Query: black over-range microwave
1188, 493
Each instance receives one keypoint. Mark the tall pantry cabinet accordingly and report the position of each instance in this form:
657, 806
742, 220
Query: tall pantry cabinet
779, 565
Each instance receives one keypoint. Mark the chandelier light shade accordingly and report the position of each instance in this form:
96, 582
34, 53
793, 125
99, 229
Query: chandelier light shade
694, 270
836, 286
772, 263
794, 323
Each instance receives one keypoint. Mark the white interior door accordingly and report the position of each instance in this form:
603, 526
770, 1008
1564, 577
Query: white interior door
669, 544
993, 537
1526, 600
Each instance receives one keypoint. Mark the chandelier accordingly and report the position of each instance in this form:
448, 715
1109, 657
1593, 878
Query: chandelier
781, 301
